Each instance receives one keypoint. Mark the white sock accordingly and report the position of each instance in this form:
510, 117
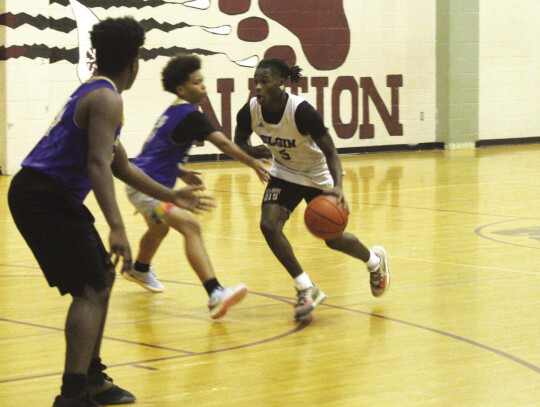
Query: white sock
303, 280
373, 261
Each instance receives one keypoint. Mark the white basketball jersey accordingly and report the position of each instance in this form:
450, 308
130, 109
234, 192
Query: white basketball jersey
297, 158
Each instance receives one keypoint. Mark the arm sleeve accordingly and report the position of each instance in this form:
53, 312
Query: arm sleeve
243, 120
309, 121
195, 126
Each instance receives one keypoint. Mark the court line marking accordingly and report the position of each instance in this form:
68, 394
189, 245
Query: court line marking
479, 231
506, 355
145, 367
299, 327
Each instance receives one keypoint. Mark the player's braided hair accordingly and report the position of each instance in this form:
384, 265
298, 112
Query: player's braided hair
178, 69
116, 42
282, 68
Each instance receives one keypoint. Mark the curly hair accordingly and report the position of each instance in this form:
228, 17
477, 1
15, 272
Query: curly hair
282, 68
178, 69
116, 42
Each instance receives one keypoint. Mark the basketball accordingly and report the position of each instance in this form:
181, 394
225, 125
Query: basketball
325, 217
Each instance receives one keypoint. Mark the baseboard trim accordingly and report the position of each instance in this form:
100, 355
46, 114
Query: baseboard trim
201, 158
390, 148
197, 158
507, 141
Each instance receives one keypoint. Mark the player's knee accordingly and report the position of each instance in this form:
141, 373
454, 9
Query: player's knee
268, 227
99, 296
265, 226
104, 295
190, 226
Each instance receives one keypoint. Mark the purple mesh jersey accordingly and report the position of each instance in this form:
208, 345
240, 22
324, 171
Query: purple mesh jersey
62, 153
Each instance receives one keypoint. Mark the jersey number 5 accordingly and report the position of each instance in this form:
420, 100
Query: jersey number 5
284, 154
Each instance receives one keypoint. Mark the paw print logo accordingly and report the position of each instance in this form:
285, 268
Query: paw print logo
321, 27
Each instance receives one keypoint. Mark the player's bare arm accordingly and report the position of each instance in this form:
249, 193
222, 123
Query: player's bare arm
260, 166
242, 140
100, 114
326, 144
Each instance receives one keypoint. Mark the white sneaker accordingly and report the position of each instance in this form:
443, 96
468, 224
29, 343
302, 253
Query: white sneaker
379, 279
223, 298
308, 299
146, 280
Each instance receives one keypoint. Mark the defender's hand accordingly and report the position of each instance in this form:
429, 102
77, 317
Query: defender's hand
261, 168
191, 177
186, 198
119, 248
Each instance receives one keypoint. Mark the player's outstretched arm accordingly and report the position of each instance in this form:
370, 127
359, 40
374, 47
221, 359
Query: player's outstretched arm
260, 166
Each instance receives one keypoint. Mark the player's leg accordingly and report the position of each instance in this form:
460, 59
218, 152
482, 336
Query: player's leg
349, 244
142, 272
221, 298
84, 333
273, 219
195, 250
87, 315
48, 219
82, 329
280, 200
85, 324
100, 385
150, 242
376, 260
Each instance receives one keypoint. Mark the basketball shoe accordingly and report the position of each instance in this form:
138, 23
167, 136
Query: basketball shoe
103, 391
308, 299
222, 298
379, 279
147, 280
82, 401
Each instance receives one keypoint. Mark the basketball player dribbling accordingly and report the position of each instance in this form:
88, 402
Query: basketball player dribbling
306, 164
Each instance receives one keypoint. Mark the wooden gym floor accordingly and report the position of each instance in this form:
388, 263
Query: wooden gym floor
459, 326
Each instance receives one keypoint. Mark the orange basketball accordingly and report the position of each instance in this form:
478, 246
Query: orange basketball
325, 217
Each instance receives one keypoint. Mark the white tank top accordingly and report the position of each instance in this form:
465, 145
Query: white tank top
297, 158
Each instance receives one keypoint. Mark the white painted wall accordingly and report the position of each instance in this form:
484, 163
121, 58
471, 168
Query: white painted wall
509, 100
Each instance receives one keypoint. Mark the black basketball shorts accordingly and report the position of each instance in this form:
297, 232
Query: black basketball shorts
288, 194
60, 232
